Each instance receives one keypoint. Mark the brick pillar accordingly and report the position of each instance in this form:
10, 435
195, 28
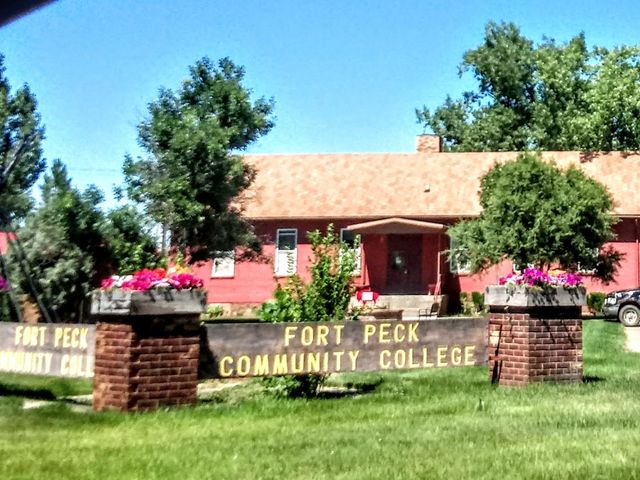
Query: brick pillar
143, 362
526, 347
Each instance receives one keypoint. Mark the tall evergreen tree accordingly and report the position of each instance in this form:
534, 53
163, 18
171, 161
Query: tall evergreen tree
63, 246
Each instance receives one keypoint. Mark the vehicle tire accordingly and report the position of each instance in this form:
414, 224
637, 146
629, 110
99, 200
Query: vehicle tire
629, 316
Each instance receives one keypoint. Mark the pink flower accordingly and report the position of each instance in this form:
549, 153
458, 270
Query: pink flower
533, 277
182, 281
147, 279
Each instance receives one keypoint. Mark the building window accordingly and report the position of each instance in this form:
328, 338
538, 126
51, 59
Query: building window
591, 268
223, 265
458, 263
286, 251
353, 241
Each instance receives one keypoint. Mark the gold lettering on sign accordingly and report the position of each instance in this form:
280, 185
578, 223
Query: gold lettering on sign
70, 337
289, 334
386, 332
383, 330
469, 355
37, 363
456, 355
261, 366
306, 336
224, 371
318, 335
441, 357
369, 331
30, 336
425, 362
400, 358
413, 335
243, 366
323, 332
297, 362
385, 362
75, 366
280, 364
338, 358
353, 358
398, 333
313, 362
412, 362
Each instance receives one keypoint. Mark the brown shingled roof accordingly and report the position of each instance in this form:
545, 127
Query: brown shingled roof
371, 185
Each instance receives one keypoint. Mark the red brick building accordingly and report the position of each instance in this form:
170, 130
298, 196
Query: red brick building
401, 205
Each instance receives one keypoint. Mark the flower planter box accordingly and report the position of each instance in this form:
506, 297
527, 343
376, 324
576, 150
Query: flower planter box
152, 302
502, 296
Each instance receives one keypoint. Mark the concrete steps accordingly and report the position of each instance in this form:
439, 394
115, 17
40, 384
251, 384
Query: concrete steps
412, 304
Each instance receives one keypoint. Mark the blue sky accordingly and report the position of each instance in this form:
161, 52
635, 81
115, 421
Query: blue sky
346, 76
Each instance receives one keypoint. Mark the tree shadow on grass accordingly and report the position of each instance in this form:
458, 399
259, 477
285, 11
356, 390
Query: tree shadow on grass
350, 389
32, 393
592, 379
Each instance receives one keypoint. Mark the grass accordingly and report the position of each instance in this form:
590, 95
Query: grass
447, 423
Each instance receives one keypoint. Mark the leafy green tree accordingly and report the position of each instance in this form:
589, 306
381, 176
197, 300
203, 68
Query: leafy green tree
21, 161
193, 174
131, 243
64, 246
546, 96
534, 213
325, 298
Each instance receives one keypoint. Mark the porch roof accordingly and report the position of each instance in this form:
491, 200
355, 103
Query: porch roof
396, 225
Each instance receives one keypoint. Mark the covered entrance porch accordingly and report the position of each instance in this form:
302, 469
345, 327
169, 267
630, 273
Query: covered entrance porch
402, 256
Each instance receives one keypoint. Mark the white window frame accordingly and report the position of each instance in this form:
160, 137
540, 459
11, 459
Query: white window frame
290, 256
455, 266
591, 271
357, 270
223, 264
518, 271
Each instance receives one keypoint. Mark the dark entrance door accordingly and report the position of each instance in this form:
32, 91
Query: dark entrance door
405, 264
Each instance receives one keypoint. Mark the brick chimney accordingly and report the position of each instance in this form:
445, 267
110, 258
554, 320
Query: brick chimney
428, 143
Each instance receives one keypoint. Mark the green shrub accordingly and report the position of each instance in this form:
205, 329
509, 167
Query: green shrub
294, 386
212, 312
472, 304
478, 300
325, 298
595, 302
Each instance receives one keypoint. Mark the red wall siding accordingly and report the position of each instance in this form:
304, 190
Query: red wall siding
430, 262
254, 282
628, 275
375, 260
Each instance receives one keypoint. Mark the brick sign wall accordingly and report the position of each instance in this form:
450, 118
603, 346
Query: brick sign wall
258, 349
61, 350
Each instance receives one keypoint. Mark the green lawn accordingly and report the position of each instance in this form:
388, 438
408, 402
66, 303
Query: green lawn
427, 424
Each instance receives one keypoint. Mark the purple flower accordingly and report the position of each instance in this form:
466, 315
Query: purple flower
4, 285
534, 277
